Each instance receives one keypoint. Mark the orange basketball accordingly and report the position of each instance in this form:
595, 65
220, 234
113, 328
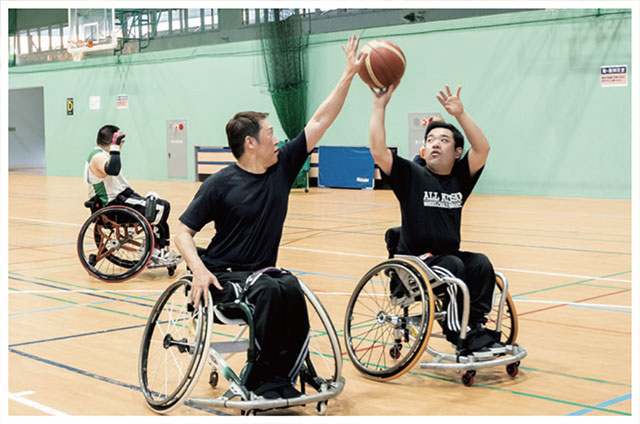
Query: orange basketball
384, 65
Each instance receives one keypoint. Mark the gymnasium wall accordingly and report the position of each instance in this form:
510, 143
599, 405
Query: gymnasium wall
531, 80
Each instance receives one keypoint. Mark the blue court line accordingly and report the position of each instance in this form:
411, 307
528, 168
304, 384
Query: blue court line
602, 405
73, 336
102, 378
600, 308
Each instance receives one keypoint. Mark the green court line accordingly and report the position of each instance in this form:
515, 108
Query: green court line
569, 284
115, 293
518, 393
606, 287
562, 374
78, 303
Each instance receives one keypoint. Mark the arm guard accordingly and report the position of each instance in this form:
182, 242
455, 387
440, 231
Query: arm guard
112, 167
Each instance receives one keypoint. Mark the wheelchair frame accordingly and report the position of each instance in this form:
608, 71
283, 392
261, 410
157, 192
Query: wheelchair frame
218, 354
403, 324
118, 234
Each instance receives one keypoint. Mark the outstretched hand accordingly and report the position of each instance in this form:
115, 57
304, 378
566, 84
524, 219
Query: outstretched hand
354, 60
381, 97
450, 102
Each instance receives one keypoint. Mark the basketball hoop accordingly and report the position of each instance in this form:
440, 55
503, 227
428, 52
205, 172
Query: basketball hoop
77, 49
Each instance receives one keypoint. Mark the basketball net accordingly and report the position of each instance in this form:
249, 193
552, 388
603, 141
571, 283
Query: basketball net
77, 49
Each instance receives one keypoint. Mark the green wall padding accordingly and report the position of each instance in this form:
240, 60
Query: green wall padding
531, 80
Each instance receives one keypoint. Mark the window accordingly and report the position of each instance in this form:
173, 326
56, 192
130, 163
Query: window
210, 19
248, 16
176, 20
45, 39
65, 36
163, 22
34, 37
193, 20
56, 38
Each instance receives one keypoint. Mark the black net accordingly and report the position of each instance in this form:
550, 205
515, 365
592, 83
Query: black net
283, 45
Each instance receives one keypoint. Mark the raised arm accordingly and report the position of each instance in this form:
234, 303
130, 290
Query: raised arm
377, 136
479, 150
329, 109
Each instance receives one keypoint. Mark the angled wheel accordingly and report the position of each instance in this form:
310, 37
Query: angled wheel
115, 243
509, 320
389, 319
323, 365
174, 347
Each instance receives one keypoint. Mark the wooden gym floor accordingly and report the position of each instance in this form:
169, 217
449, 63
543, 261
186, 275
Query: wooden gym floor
73, 341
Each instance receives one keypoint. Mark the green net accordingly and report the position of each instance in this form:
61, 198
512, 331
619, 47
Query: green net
283, 46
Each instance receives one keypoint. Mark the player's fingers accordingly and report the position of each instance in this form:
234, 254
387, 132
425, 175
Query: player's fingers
448, 89
458, 92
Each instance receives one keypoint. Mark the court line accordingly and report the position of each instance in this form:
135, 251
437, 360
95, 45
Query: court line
19, 397
102, 378
602, 404
578, 301
124, 328
358, 255
568, 284
564, 249
593, 305
88, 293
554, 274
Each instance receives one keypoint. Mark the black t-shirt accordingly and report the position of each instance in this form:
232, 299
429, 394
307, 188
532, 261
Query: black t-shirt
431, 205
248, 210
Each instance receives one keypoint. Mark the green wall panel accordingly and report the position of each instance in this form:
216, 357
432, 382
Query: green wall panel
530, 80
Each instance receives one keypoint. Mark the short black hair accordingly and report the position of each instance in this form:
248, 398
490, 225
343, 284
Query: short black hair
458, 138
241, 125
105, 134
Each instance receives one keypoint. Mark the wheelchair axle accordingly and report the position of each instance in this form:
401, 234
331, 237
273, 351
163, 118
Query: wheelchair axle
181, 344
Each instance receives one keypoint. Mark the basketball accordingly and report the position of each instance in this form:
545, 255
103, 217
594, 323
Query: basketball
384, 64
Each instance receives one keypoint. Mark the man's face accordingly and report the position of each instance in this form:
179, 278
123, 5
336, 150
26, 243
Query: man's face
266, 147
440, 152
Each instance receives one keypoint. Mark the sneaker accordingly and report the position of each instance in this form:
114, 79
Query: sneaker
158, 256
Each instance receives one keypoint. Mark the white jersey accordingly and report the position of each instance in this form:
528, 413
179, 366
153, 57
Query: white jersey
106, 188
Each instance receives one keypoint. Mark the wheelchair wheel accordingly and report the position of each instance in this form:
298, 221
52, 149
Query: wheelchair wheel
115, 243
509, 322
389, 319
323, 365
174, 347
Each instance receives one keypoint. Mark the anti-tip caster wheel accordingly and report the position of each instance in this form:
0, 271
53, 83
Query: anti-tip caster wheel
321, 407
213, 379
468, 377
394, 352
512, 369
171, 270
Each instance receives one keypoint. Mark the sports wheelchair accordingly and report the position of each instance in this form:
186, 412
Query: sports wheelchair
390, 317
178, 341
117, 242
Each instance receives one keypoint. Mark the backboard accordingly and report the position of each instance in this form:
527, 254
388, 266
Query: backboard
91, 30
